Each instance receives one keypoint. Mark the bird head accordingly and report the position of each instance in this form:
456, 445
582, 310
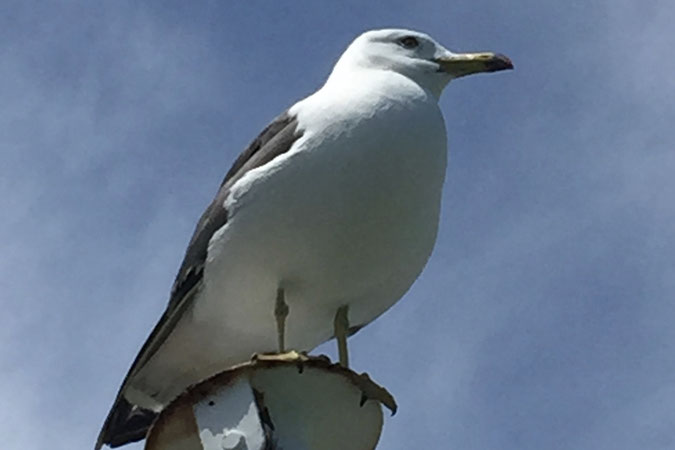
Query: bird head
417, 56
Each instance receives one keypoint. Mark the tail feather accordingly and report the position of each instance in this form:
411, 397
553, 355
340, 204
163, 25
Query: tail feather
125, 423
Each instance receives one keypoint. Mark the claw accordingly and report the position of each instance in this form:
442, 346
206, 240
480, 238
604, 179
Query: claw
370, 390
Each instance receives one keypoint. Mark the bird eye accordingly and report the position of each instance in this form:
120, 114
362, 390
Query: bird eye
409, 42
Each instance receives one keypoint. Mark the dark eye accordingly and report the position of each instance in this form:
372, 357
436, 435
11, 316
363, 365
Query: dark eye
409, 42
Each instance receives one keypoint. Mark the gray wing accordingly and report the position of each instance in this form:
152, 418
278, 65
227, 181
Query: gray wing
129, 423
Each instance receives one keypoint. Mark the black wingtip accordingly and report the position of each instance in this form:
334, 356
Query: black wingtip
125, 424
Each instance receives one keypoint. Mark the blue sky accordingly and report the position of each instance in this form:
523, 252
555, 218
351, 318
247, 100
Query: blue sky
544, 319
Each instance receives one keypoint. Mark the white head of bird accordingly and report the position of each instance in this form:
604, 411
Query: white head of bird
416, 56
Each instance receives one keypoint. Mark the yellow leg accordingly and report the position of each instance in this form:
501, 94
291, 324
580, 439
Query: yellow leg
341, 326
280, 313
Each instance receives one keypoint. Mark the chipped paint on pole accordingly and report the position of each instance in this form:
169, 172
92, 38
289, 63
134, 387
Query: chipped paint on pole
288, 401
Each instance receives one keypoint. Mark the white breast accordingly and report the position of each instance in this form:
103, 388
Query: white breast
348, 217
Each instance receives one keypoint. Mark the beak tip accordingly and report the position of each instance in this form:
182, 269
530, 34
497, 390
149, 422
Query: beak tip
500, 62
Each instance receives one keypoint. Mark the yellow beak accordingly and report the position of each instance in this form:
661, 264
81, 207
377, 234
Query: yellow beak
461, 64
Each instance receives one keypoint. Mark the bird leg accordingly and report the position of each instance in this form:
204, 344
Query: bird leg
341, 327
280, 313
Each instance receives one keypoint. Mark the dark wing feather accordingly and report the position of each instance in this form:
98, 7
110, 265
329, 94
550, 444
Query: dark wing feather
129, 423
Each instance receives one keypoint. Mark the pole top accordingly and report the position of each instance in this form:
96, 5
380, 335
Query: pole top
290, 400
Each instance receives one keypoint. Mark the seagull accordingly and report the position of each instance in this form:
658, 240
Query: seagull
321, 224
